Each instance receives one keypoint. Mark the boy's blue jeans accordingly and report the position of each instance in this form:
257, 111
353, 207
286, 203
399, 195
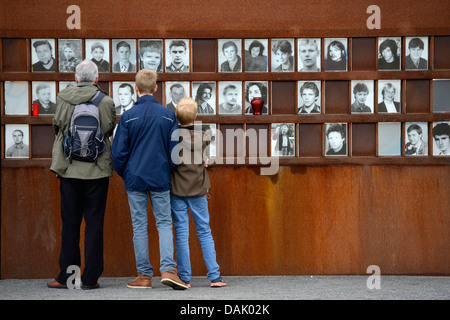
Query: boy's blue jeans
200, 214
160, 202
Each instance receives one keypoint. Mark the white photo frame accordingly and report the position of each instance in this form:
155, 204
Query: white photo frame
256, 89
174, 91
362, 96
336, 139
389, 138
230, 97
97, 50
389, 96
17, 141
309, 97
282, 55
283, 139
16, 98
309, 54
256, 55
43, 55
43, 93
178, 52
204, 93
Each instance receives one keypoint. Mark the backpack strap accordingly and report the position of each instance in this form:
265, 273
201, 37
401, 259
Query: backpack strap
97, 98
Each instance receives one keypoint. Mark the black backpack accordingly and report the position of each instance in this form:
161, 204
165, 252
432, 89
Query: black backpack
84, 140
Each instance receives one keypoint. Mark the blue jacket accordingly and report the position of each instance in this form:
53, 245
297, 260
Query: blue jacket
142, 146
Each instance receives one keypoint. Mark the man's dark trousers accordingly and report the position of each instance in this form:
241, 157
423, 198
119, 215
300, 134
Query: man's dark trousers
82, 198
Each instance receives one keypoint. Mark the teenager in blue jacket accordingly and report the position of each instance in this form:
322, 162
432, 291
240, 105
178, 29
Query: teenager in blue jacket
142, 156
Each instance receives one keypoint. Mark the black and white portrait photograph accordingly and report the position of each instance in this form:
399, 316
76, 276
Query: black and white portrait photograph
389, 96
416, 53
177, 55
336, 139
69, 54
124, 55
17, 141
416, 134
254, 89
309, 97
362, 96
174, 92
335, 55
309, 59
256, 53
230, 97
97, 50
283, 139
441, 138
389, 138
205, 95
44, 94
441, 95
16, 97
389, 53
230, 55
43, 55
124, 96
151, 54
283, 55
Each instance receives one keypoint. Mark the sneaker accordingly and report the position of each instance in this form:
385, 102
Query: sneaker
170, 278
141, 282
218, 283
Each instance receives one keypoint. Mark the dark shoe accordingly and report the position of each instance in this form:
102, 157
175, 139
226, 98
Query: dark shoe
170, 278
56, 285
86, 287
141, 282
218, 283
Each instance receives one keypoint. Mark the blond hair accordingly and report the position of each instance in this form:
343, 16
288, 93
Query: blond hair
146, 81
186, 110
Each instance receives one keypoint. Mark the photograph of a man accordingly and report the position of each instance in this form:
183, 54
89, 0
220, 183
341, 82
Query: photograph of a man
417, 135
309, 55
309, 97
230, 100
389, 95
441, 137
416, 53
362, 96
15, 139
174, 92
230, 60
124, 96
43, 55
125, 55
177, 56
336, 139
283, 139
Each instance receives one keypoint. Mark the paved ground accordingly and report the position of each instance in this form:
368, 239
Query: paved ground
243, 288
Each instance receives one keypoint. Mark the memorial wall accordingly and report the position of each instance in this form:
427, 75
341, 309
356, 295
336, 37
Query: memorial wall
346, 165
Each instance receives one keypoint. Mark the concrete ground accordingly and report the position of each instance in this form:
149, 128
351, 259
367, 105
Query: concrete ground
262, 288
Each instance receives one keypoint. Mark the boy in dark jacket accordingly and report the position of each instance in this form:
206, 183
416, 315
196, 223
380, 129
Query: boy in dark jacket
141, 152
189, 186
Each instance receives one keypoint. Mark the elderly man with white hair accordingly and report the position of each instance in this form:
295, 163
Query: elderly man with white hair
83, 185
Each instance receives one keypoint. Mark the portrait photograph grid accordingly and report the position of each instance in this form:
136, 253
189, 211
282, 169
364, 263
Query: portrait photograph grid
224, 98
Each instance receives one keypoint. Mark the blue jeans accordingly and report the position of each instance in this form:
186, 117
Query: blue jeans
160, 202
200, 214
